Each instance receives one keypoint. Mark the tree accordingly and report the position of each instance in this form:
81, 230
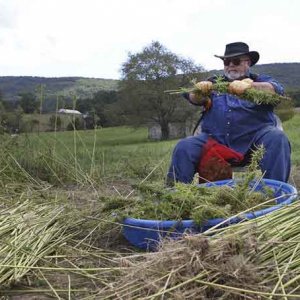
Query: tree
2, 118
10, 106
145, 78
12, 121
75, 124
28, 102
99, 107
55, 123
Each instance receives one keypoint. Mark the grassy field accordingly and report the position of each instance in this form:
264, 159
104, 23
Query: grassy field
58, 245
105, 154
42, 121
100, 155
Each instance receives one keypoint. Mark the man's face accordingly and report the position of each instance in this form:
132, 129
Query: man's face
236, 67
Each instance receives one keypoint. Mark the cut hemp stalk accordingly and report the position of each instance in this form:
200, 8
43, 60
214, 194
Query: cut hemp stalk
220, 86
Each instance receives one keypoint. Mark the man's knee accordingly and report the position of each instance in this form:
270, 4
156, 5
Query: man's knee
190, 146
276, 139
182, 146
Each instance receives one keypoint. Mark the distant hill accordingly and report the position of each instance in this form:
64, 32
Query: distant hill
287, 74
10, 86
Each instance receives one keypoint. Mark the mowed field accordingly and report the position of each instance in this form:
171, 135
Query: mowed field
98, 155
55, 243
106, 154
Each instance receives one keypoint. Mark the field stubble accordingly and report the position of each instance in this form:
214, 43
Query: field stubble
75, 170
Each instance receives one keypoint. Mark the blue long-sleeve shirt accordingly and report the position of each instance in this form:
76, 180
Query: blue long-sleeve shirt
235, 122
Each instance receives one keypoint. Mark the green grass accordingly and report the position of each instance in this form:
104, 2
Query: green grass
103, 154
87, 87
43, 124
291, 128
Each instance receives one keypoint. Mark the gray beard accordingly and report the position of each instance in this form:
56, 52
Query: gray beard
233, 75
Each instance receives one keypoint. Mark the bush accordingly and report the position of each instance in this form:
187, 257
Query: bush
55, 123
78, 125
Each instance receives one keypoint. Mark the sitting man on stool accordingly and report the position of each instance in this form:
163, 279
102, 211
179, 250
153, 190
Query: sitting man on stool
232, 125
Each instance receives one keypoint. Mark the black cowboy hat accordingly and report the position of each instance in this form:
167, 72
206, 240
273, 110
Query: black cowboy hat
238, 49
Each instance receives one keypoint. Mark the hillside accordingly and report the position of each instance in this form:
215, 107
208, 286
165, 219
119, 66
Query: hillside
286, 73
10, 86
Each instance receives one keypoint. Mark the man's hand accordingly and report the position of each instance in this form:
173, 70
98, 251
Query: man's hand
248, 80
204, 86
238, 87
200, 98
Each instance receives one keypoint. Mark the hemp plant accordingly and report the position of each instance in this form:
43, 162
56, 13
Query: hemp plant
251, 94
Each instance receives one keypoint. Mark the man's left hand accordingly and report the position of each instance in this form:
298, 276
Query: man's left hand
238, 87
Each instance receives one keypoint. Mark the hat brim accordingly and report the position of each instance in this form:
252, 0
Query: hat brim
254, 56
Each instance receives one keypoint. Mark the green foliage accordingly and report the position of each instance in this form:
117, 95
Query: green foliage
119, 153
10, 105
75, 124
101, 109
63, 157
295, 95
285, 110
55, 122
291, 128
87, 87
145, 77
288, 74
11, 86
28, 102
12, 121
188, 201
31, 125
2, 118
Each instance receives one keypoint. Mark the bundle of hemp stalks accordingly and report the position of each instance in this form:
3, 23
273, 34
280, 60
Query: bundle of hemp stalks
258, 97
191, 201
258, 259
28, 232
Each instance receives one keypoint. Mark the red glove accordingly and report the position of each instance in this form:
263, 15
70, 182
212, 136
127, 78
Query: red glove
215, 161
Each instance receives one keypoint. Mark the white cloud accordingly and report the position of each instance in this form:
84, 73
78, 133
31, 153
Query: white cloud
92, 38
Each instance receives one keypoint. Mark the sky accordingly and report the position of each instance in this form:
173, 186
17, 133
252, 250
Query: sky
92, 38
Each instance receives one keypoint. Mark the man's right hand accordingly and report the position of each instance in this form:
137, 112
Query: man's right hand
200, 97
204, 86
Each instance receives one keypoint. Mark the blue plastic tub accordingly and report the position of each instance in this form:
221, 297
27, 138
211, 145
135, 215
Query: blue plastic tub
146, 234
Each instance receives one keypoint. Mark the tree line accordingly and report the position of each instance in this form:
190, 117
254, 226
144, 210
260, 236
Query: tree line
139, 100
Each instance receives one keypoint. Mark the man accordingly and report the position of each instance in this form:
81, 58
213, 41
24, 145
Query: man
234, 122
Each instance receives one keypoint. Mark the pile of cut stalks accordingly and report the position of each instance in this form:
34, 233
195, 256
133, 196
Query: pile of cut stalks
49, 251
196, 202
28, 232
258, 259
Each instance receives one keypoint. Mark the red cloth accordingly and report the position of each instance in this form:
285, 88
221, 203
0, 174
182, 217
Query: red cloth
216, 160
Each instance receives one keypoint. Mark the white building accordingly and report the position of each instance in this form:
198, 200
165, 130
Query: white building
69, 111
